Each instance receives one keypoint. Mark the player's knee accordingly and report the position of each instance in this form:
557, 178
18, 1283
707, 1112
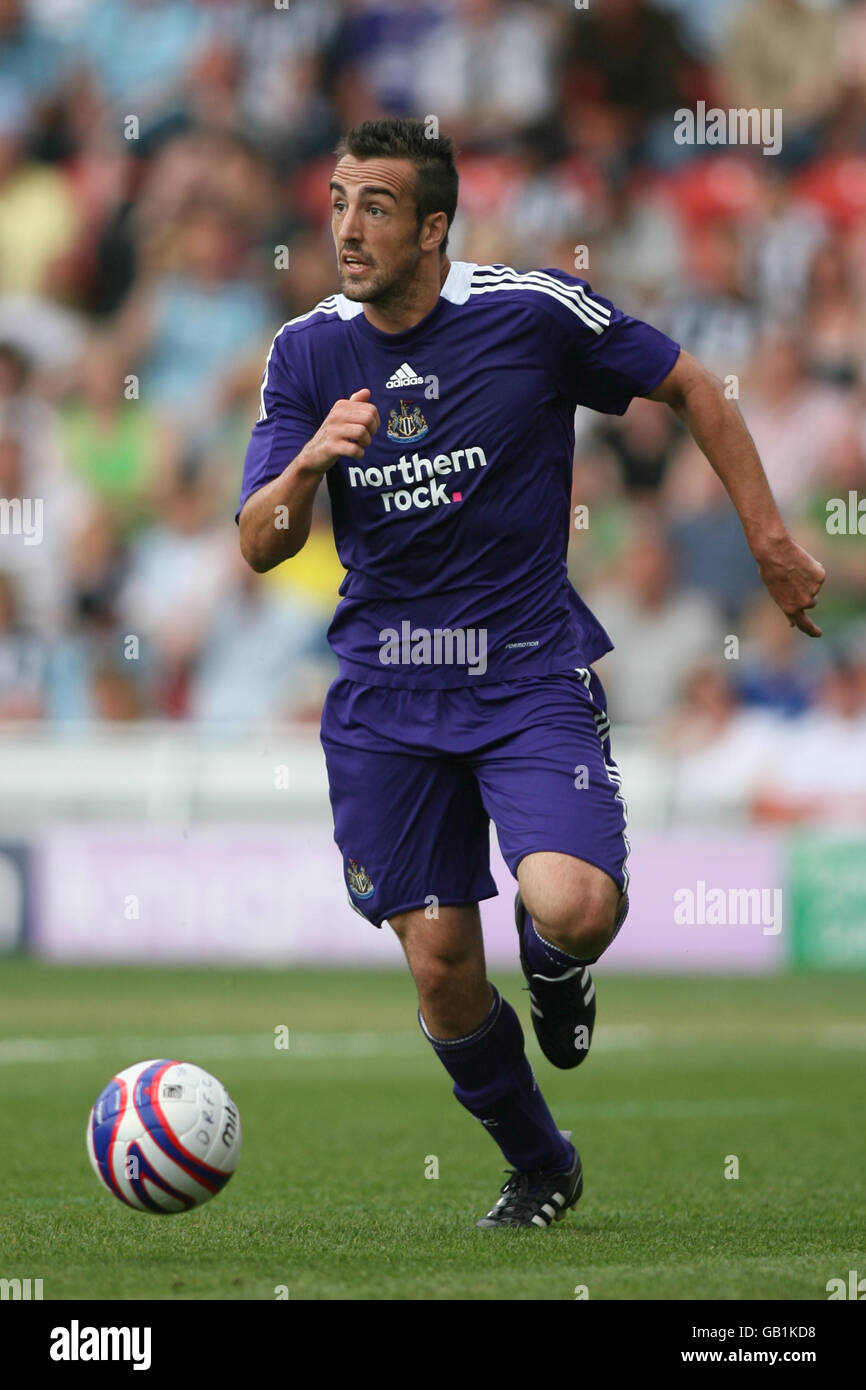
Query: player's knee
438, 977
444, 950
588, 934
583, 929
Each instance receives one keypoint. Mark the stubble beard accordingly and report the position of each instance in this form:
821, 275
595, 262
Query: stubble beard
385, 293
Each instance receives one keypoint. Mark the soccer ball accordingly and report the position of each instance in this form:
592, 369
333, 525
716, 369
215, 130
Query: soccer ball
164, 1136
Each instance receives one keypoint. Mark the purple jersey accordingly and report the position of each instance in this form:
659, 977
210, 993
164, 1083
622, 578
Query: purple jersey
453, 527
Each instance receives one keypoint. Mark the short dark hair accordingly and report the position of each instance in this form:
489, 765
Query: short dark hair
436, 179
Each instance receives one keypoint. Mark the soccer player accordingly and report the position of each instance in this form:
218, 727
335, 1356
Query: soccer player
438, 401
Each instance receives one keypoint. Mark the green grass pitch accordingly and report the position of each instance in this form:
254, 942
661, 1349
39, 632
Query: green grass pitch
331, 1201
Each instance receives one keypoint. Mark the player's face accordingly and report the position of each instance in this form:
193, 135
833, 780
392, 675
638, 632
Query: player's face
374, 226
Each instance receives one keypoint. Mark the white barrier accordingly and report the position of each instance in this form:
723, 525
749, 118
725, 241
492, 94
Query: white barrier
184, 772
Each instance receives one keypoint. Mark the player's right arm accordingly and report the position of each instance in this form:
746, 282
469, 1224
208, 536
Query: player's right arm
275, 520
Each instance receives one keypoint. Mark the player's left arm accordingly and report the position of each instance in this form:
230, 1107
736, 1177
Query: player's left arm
790, 573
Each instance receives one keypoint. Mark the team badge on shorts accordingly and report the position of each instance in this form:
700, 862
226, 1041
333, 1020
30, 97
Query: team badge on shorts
407, 423
360, 883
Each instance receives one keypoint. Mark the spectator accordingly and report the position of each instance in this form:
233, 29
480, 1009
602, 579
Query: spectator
642, 441
488, 71
180, 571
263, 658
22, 660
185, 331
713, 314
114, 695
781, 239
140, 52
705, 23
833, 317
650, 617
25, 414
629, 57
800, 426
30, 57
640, 250
778, 54
712, 557
113, 442
826, 781
544, 208
36, 539
38, 223
772, 671
374, 52
717, 751
282, 96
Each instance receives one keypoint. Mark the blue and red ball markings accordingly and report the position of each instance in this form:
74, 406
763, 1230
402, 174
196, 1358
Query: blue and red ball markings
146, 1170
105, 1122
108, 1112
146, 1101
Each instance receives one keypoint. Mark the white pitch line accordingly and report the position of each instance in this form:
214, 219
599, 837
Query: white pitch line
681, 1109
15, 1051
844, 1035
241, 1046
124, 1050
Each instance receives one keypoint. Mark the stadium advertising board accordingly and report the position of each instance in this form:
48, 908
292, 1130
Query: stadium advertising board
264, 895
827, 876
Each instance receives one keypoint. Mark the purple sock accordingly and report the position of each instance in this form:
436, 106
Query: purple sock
551, 961
494, 1081
544, 958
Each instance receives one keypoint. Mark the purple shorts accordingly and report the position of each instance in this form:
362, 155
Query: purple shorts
416, 777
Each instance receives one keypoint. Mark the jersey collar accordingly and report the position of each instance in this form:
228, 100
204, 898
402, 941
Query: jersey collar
454, 291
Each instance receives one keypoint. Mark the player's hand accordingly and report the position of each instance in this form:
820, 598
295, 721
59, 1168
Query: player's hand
792, 578
346, 433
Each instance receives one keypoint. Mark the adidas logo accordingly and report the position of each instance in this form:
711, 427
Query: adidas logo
404, 376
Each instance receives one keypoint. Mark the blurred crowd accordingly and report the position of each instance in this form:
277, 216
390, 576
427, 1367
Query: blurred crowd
163, 209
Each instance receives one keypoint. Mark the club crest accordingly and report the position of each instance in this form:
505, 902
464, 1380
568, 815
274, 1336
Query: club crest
407, 423
360, 883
